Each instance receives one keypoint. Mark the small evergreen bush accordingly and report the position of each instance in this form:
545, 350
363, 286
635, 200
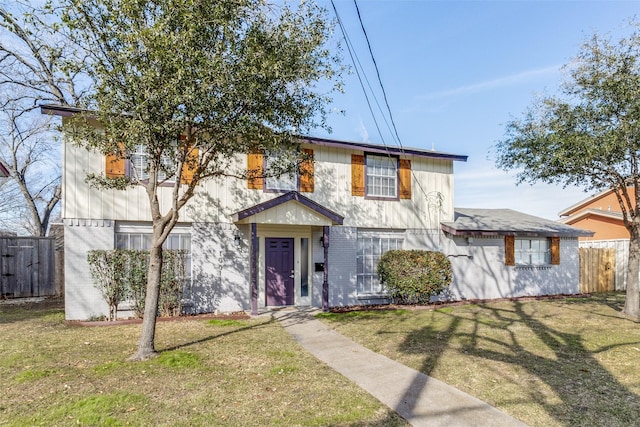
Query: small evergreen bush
414, 276
121, 274
107, 270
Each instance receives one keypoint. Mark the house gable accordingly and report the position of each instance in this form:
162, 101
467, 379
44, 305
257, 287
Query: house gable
605, 201
600, 213
292, 209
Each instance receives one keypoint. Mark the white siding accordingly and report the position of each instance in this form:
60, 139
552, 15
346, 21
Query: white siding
479, 271
216, 200
82, 299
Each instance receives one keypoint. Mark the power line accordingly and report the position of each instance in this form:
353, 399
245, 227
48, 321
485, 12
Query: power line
384, 93
375, 64
356, 61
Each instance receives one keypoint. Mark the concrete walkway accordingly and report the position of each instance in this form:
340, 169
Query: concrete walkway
418, 398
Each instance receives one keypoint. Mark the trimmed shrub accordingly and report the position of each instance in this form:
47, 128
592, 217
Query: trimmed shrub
121, 274
135, 280
413, 277
107, 269
171, 283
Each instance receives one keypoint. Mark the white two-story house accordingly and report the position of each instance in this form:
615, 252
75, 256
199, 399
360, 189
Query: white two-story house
312, 240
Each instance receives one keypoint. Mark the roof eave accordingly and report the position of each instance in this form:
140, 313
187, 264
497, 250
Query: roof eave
374, 148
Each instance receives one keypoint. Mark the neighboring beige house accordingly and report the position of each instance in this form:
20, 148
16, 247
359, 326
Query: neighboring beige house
302, 241
599, 213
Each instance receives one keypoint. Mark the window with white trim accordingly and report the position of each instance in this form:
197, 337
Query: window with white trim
382, 176
137, 240
371, 246
286, 182
532, 251
140, 164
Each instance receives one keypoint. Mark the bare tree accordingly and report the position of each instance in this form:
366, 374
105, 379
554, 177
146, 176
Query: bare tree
28, 150
38, 65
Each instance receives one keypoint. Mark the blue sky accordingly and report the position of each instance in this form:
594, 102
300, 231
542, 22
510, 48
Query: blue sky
455, 72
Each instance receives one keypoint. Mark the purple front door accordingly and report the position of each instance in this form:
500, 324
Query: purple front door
279, 274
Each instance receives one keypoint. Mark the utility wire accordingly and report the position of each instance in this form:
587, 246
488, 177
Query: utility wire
384, 92
375, 64
356, 61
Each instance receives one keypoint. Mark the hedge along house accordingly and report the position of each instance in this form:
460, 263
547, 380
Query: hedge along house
309, 240
501, 253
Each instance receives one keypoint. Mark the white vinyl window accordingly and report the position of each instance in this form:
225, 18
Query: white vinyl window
532, 251
285, 182
140, 163
371, 246
142, 241
382, 176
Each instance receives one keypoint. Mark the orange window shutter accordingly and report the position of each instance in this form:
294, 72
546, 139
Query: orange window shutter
115, 163
254, 171
555, 250
189, 167
357, 175
306, 172
509, 250
405, 179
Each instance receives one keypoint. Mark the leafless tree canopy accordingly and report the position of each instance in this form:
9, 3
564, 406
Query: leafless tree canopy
38, 65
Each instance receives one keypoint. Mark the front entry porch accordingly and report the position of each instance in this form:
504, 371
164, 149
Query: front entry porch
286, 267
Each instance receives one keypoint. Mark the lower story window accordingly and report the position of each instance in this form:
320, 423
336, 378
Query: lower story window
371, 246
532, 251
142, 241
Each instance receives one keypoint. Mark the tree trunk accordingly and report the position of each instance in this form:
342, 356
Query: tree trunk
632, 300
146, 349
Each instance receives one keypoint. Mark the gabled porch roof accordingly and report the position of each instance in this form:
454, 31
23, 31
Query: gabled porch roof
291, 208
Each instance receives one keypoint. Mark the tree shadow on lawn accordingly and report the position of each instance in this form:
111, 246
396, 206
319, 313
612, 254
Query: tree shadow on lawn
253, 325
583, 391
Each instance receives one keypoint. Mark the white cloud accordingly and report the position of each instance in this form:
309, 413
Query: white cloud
511, 80
362, 131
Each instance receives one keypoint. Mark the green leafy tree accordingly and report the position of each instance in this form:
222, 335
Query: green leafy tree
195, 83
589, 137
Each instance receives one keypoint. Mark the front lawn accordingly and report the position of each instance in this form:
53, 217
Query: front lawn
571, 361
210, 372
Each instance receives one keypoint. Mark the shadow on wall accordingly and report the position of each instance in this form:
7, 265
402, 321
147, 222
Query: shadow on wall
479, 272
220, 263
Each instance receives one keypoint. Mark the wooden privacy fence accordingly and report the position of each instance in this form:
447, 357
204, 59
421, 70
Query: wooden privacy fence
27, 267
597, 270
621, 246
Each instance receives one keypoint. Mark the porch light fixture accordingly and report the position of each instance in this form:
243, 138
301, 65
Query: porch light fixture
237, 238
322, 241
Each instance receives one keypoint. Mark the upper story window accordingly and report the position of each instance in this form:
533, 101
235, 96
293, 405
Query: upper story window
259, 165
136, 165
140, 164
285, 182
382, 176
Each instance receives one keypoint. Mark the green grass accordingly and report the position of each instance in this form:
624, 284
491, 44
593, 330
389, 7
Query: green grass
554, 362
228, 373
